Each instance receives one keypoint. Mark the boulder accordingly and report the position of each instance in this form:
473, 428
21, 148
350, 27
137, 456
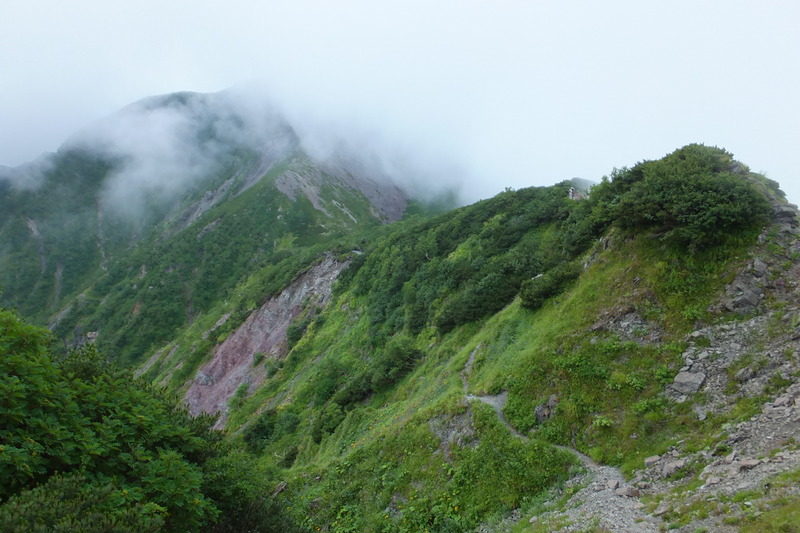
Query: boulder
759, 268
782, 401
630, 492
688, 382
744, 374
672, 467
650, 461
786, 214
747, 300
545, 411
747, 464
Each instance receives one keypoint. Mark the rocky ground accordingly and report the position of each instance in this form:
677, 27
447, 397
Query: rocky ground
751, 357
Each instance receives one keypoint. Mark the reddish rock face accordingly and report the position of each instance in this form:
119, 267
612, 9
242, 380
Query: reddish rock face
264, 331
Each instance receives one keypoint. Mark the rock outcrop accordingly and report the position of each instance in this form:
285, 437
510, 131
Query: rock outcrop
264, 331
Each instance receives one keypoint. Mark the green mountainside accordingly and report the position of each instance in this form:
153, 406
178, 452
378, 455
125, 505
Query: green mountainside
90, 251
625, 351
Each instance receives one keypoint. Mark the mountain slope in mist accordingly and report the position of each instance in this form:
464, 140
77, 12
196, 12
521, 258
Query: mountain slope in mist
463, 364
142, 221
373, 366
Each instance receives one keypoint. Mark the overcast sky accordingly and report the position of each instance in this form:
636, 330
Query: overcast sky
513, 93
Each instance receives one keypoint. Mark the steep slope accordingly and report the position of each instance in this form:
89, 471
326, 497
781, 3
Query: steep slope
264, 334
573, 317
142, 222
540, 360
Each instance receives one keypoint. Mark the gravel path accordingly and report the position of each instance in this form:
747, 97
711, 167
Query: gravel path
603, 501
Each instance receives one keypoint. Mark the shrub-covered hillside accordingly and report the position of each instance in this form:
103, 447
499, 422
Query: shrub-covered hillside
463, 368
381, 414
138, 226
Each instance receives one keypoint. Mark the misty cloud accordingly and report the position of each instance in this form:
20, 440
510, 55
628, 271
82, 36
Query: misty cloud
162, 146
28, 176
420, 172
508, 95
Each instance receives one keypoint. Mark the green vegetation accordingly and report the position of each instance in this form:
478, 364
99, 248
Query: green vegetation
366, 422
690, 199
86, 447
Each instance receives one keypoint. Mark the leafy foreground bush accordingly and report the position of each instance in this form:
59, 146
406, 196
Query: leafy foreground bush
75, 505
130, 458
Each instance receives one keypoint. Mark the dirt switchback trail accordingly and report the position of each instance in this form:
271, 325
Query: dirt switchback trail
603, 501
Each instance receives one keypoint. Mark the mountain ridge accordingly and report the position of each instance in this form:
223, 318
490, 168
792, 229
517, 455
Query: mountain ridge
493, 367
79, 235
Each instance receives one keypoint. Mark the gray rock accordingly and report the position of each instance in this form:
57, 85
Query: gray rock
544, 411
782, 401
700, 411
786, 213
688, 382
747, 300
541, 412
748, 464
552, 402
759, 267
650, 461
612, 484
672, 467
204, 379
745, 374
630, 492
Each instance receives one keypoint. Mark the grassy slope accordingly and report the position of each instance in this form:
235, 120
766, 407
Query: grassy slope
415, 454
159, 278
367, 416
385, 452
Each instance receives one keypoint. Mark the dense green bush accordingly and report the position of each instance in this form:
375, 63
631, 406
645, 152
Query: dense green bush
298, 328
327, 421
534, 292
74, 504
691, 198
394, 361
242, 488
257, 434
140, 453
466, 264
355, 389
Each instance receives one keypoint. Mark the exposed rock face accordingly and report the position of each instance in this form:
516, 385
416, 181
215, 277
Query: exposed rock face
545, 411
785, 215
264, 331
672, 467
688, 382
305, 178
454, 432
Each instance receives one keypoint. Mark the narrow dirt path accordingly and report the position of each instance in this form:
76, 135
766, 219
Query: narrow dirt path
604, 501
